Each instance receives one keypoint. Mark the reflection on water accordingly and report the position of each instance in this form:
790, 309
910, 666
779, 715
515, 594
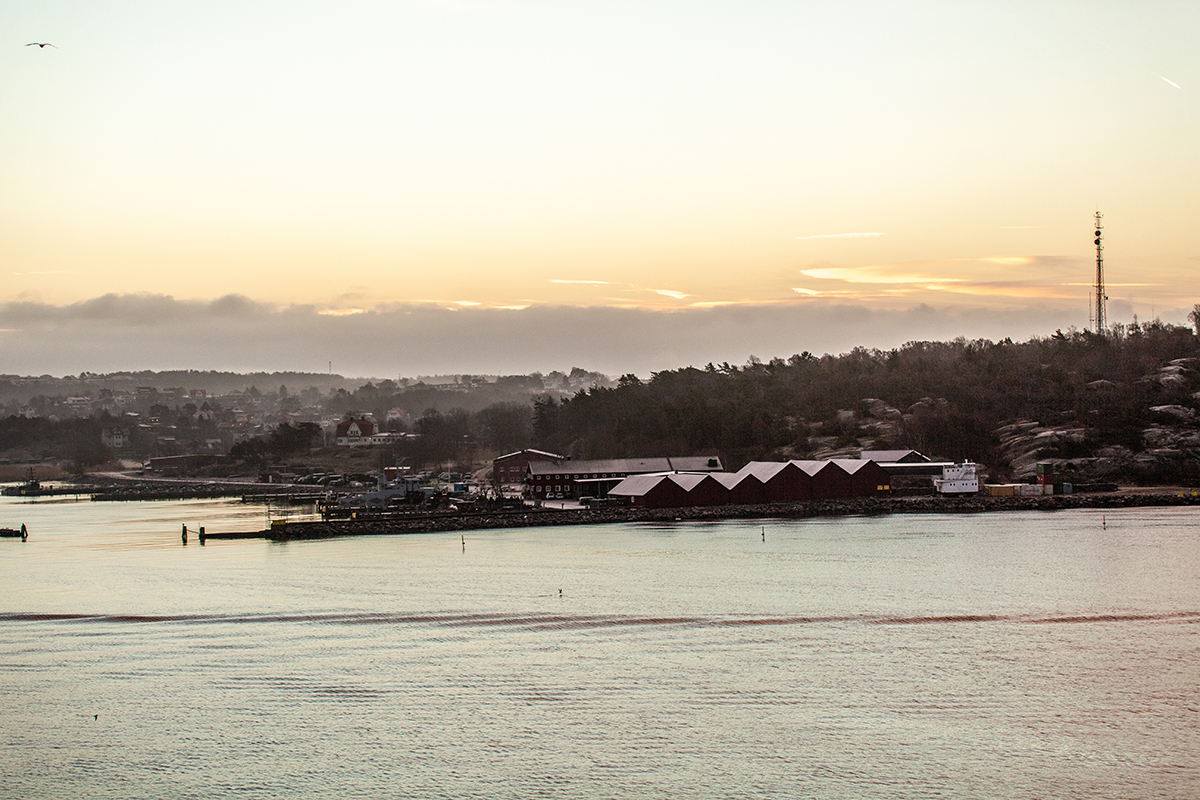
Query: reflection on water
1014, 655
560, 622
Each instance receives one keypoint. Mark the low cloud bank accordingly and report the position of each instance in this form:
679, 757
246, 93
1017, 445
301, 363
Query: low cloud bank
126, 332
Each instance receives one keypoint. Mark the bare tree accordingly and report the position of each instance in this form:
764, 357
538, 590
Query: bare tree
1194, 316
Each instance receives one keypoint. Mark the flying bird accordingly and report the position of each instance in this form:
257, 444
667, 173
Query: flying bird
42, 45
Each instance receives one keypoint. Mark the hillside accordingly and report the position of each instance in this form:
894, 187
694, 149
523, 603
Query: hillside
1112, 407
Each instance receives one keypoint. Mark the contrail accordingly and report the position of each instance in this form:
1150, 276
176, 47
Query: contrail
839, 235
1168, 80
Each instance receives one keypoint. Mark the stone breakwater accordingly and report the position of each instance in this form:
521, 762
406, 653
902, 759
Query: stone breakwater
863, 506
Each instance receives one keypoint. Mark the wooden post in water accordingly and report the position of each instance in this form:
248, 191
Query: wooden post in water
202, 535
185, 533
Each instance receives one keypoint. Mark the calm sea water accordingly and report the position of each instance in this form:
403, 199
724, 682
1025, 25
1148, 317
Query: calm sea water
1019, 655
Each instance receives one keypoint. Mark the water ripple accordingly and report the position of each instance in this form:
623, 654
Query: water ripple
537, 621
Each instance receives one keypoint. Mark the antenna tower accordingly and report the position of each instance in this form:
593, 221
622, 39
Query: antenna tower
1098, 318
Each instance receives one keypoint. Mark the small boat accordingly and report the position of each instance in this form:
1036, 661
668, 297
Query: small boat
13, 533
32, 487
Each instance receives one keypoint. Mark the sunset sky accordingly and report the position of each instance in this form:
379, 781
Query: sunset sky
502, 186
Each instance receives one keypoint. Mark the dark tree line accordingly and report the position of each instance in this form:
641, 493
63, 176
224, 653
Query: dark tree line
286, 441
460, 438
952, 397
76, 440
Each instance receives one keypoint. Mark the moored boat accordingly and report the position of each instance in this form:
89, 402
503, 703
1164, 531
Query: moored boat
13, 533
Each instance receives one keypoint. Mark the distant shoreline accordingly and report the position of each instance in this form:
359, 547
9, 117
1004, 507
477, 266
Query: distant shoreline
863, 506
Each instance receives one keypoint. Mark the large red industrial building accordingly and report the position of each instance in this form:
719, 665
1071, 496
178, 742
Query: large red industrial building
757, 482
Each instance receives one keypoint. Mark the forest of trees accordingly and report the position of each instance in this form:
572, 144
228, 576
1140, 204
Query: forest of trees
286, 441
951, 398
76, 441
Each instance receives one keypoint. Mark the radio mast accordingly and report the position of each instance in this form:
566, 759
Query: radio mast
1098, 317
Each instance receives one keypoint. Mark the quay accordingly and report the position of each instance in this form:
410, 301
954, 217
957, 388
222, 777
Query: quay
283, 531
129, 493
285, 498
229, 535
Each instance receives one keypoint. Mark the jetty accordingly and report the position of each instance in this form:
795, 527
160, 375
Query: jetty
114, 490
286, 498
450, 521
204, 536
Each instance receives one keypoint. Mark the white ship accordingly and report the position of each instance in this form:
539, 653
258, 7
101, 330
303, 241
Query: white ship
957, 479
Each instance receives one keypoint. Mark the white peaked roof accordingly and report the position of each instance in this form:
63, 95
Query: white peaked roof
728, 479
637, 485
532, 452
893, 456
762, 470
689, 480
852, 465
813, 467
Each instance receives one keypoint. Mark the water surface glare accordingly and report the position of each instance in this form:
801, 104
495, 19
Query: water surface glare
1016, 655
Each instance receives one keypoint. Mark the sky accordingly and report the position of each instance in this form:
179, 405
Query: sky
417, 186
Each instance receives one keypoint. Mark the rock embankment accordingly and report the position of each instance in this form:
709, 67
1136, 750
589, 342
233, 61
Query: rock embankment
863, 506
112, 487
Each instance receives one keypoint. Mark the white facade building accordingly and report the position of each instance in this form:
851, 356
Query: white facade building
957, 479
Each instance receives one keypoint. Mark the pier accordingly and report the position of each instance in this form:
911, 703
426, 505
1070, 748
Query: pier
397, 525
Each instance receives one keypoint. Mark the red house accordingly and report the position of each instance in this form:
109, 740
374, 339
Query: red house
867, 479
514, 467
351, 432
828, 479
783, 481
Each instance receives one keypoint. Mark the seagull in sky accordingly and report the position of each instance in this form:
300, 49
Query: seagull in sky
42, 45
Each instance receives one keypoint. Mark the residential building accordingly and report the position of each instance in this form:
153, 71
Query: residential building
354, 432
